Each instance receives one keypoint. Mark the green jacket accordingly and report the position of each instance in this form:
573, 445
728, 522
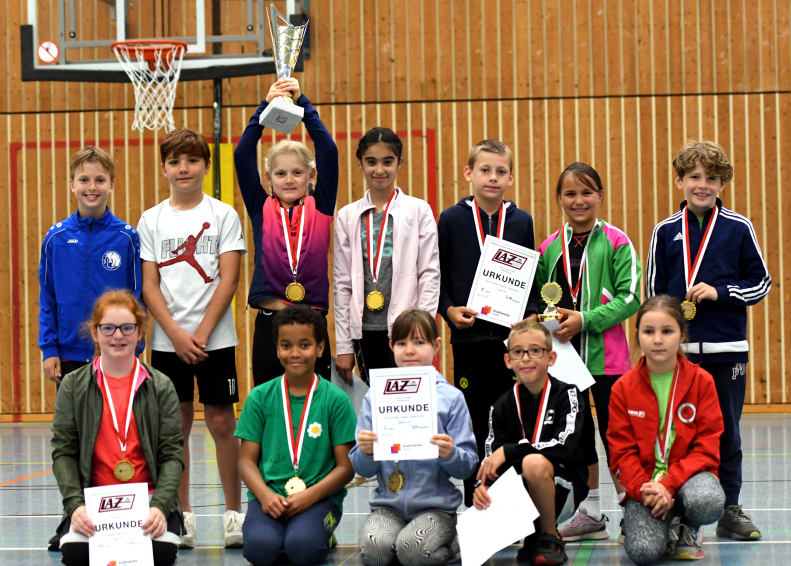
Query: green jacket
75, 426
609, 294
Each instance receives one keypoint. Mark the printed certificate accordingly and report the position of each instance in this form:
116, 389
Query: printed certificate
118, 513
404, 413
503, 282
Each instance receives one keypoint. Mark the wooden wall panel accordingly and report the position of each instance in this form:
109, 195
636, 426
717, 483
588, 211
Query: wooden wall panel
620, 84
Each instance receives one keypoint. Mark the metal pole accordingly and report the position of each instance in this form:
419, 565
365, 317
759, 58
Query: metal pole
216, 29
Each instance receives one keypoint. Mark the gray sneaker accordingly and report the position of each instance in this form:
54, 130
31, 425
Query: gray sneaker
690, 543
737, 525
673, 535
585, 527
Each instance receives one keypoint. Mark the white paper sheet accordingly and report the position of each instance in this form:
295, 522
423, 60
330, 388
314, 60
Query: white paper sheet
509, 518
568, 367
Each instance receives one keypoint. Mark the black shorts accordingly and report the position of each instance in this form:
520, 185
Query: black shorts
217, 383
571, 489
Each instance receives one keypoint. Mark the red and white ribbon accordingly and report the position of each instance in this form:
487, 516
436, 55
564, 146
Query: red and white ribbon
128, 409
542, 410
476, 216
295, 445
375, 258
293, 252
691, 268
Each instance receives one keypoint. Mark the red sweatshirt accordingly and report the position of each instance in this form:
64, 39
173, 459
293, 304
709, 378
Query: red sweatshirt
634, 425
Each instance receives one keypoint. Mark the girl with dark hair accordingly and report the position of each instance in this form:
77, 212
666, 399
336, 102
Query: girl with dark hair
386, 259
664, 441
598, 271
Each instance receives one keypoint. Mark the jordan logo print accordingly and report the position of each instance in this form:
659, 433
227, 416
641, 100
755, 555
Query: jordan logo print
189, 246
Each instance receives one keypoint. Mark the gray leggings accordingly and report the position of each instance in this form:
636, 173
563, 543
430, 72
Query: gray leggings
699, 501
426, 540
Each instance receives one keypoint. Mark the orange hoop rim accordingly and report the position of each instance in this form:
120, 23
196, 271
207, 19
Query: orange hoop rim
149, 47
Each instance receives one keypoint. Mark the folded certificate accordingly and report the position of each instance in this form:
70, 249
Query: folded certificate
503, 282
118, 513
568, 367
404, 413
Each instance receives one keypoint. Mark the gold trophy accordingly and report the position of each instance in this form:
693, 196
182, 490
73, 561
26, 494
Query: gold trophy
551, 293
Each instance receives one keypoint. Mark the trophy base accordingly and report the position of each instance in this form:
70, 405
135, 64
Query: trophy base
543, 317
282, 115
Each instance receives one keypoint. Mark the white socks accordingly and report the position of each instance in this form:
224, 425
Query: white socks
593, 505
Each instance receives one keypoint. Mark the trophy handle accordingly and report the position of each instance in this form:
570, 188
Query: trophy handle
284, 38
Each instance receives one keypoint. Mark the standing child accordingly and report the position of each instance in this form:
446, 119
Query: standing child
414, 521
535, 428
664, 441
86, 254
708, 257
296, 434
478, 344
191, 249
386, 259
598, 272
291, 226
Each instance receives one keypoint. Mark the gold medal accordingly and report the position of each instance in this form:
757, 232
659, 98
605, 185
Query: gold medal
295, 292
659, 477
395, 482
375, 300
295, 485
551, 292
689, 309
124, 470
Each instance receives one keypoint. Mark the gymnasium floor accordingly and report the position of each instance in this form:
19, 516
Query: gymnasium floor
30, 503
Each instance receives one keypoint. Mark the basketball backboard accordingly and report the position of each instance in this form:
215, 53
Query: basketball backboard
69, 40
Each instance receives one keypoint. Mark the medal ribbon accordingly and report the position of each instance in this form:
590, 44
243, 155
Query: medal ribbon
479, 224
293, 254
375, 259
691, 269
663, 439
574, 292
128, 409
293, 450
542, 410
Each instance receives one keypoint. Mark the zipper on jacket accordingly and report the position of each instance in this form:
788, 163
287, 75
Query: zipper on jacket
491, 328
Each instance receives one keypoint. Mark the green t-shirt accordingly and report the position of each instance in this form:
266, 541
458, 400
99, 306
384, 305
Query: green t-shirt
331, 422
661, 384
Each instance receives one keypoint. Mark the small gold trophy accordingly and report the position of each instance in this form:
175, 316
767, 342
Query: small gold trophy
551, 293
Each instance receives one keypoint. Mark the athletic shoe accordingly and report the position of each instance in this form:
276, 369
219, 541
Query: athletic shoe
736, 525
690, 543
673, 535
585, 527
622, 535
526, 552
232, 529
550, 551
54, 543
188, 534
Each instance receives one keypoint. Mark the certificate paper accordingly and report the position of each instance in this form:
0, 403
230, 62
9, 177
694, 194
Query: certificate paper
404, 413
118, 513
568, 367
503, 282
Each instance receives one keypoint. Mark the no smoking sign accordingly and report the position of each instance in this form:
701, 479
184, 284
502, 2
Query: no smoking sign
47, 52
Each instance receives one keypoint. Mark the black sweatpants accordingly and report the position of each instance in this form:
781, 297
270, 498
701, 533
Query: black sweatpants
479, 371
373, 351
601, 395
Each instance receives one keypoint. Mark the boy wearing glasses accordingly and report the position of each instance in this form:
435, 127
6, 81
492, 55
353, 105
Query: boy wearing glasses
535, 428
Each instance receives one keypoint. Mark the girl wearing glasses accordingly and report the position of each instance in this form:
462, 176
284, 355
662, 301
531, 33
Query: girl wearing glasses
97, 440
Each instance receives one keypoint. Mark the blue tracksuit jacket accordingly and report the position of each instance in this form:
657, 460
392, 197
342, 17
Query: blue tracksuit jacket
81, 258
732, 264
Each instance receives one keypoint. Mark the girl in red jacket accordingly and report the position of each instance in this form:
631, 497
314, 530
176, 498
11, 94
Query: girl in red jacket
665, 427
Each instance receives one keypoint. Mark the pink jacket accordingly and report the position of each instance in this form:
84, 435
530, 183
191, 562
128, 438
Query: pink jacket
415, 265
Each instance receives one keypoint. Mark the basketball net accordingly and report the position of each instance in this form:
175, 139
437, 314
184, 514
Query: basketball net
154, 67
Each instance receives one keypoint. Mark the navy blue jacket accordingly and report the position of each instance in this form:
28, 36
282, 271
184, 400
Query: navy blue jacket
732, 264
459, 253
81, 258
254, 195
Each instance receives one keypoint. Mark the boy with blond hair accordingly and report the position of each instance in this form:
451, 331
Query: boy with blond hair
83, 256
708, 257
191, 247
536, 428
478, 344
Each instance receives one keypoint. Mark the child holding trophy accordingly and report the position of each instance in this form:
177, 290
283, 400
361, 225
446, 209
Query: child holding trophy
386, 259
413, 516
291, 226
664, 441
296, 434
591, 271
708, 257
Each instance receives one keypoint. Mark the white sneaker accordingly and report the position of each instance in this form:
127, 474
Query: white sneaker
188, 538
232, 529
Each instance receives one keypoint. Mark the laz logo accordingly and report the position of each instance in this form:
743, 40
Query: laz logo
116, 503
399, 386
509, 259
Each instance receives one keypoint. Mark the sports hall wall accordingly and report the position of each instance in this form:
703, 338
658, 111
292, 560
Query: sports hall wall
619, 84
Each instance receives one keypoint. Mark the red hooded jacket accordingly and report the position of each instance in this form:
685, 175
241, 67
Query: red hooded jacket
634, 425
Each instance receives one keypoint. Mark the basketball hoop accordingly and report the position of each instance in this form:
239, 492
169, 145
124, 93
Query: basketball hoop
153, 66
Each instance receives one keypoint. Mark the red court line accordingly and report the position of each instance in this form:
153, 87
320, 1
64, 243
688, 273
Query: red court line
26, 477
13, 150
